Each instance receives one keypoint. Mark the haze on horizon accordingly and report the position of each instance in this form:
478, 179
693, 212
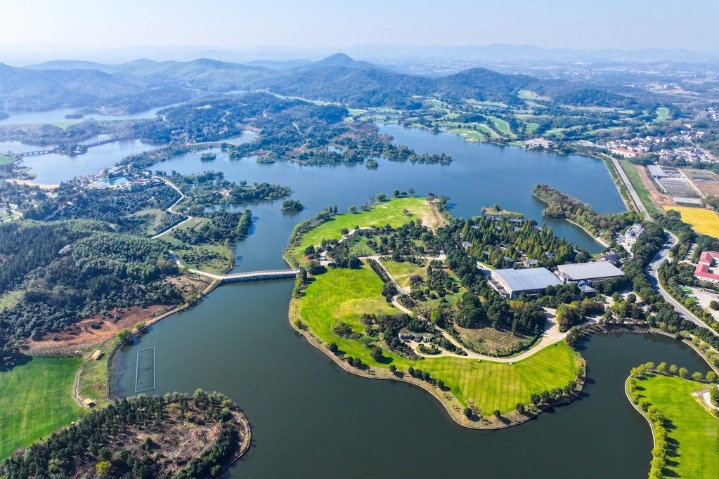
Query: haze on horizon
81, 25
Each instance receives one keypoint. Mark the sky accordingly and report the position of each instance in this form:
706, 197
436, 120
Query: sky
333, 24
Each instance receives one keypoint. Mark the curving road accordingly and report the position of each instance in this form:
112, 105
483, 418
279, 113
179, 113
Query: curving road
653, 271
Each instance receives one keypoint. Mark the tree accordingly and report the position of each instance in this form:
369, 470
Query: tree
392, 368
673, 369
697, 376
467, 412
497, 413
662, 367
519, 407
333, 348
380, 197
711, 376
124, 334
103, 468
683, 372
714, 305
410, 192
353, 210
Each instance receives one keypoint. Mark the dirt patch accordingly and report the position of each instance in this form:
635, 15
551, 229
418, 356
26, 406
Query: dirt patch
433, 219
658, 197
94, 330
31, 183
706, 181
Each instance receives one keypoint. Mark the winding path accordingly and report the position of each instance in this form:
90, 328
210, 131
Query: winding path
170, 208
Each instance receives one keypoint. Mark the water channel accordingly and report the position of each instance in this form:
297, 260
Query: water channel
311, 419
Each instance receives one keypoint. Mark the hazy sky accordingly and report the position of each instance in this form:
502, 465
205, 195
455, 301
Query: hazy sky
582, 24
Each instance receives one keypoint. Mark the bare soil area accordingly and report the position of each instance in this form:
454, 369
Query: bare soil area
659, 198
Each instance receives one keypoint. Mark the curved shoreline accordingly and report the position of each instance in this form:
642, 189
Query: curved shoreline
450, 403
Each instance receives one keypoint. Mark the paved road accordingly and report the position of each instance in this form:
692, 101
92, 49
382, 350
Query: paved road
630, 188
654, 280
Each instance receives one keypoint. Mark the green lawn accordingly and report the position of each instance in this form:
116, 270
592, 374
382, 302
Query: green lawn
6, 159
694, 429
662, 114
390, 212
35, 399
343, 295
644, 195
401, 272
502, 127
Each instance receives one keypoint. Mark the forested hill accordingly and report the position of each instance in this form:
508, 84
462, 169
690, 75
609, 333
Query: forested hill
70, 270
145, 83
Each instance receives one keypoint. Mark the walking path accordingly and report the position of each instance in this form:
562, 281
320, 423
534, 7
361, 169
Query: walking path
172, 206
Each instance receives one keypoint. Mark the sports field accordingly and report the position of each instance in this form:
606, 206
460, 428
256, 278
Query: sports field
702, 221
694, 429
342, 295
35, 399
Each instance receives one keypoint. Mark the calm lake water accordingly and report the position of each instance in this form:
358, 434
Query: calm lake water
58, 116
311, 419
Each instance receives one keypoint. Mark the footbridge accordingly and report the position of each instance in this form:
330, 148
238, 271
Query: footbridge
263, 275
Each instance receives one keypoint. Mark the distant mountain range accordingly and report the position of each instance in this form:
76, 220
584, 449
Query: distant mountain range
338, 78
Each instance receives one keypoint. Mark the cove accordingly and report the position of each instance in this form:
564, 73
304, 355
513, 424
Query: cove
311, 419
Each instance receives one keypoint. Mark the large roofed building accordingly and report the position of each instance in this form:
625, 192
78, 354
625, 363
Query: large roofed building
705, 270
513, 282
588, 272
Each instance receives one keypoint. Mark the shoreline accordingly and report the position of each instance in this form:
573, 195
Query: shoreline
449, 402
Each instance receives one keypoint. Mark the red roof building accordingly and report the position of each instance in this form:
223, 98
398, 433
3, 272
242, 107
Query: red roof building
705, 267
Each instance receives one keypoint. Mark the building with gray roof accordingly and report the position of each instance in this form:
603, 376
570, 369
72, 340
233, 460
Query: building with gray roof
588, 272
513, 282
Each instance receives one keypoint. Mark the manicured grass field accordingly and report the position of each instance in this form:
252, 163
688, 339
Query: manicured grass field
6, 159
35, 399
662, 114
343, 295
701, 220
401, 272
693, 427
390, 212
502, 127
642, 191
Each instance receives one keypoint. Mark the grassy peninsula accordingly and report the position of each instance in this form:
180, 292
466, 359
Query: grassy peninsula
686, 432
345, 312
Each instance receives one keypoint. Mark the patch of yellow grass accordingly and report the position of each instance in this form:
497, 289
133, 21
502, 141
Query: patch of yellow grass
703, 221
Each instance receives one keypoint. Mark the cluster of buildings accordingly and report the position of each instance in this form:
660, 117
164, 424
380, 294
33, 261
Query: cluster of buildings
663, 146
513, 282
706, 267
539, 143
117, 178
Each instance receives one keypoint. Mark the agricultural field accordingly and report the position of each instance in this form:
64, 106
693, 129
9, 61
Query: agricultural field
706, 181
695, 430
35, 399
701, 220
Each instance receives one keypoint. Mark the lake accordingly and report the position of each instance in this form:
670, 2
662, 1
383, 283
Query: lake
311, 419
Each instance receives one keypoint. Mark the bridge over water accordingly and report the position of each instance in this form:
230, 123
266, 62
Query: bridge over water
238, 277
250, 275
